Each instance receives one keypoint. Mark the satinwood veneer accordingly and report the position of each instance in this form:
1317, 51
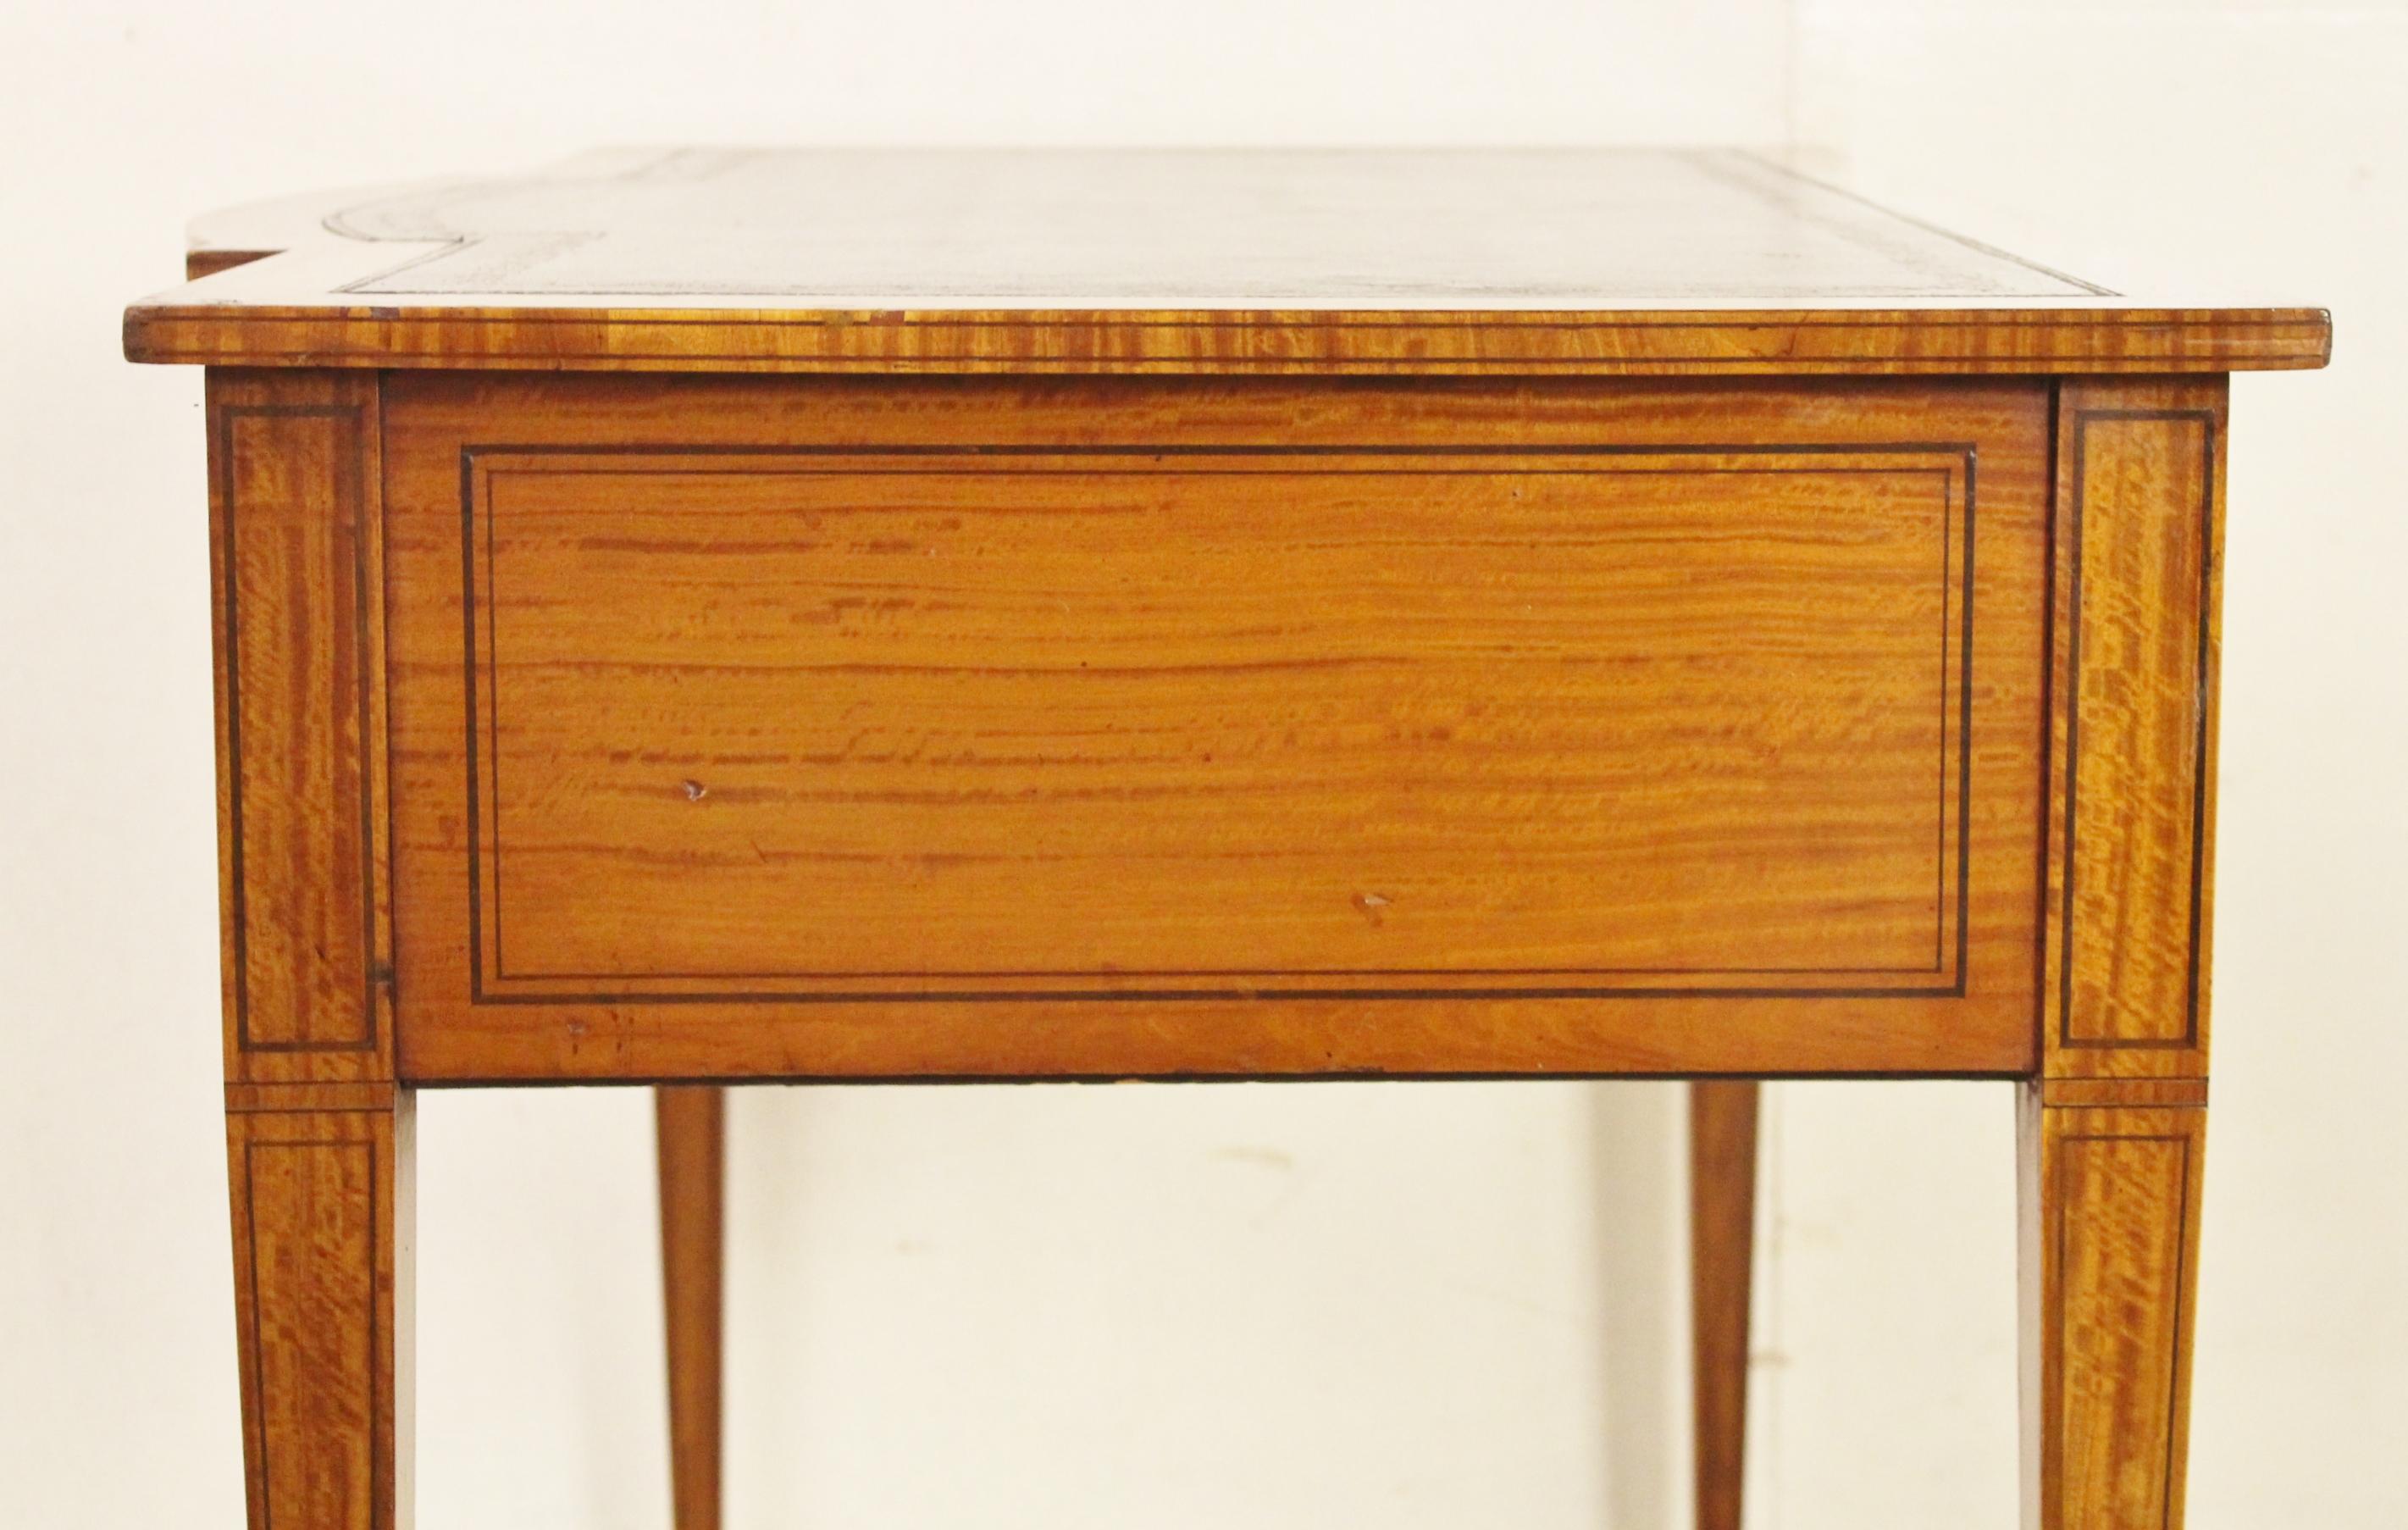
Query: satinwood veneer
695, 616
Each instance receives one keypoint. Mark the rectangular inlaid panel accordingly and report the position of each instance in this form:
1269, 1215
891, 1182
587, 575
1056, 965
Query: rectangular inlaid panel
985, 728
844, 723
294, 488
2131, 840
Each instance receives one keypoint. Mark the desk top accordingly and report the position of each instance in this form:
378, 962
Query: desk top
1637, 262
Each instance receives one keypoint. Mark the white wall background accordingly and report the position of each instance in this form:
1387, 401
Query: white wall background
1436, 1306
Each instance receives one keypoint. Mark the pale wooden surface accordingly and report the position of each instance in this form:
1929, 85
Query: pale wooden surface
1633, 260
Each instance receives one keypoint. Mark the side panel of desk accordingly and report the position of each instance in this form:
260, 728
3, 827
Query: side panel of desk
964, 728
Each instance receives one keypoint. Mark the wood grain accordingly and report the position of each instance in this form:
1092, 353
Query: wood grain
2111, 1200
296, 552
1344, 719
1650, 343
1722, 1252
1637, 262
691, 1123
1449, 707
2133, 727
321, 1209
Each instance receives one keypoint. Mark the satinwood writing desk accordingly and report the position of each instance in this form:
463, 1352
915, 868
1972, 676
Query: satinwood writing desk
705, 615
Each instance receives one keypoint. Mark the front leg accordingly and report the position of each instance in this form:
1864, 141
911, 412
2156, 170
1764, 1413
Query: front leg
2114, 1125
318, 1123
